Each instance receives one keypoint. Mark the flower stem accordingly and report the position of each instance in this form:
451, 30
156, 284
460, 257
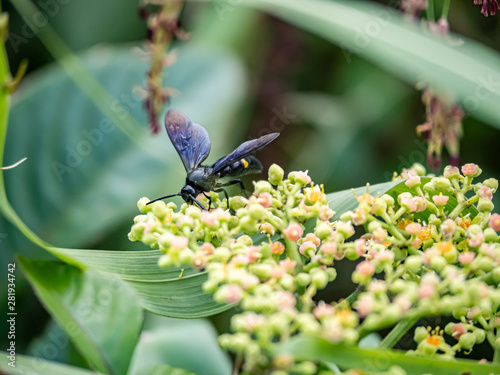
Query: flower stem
430, 11
397, 332
446, 9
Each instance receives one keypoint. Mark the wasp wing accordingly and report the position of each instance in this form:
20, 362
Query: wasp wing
189, 139
245, 149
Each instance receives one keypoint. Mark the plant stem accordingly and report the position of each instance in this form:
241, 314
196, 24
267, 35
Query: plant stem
397, 332
446, 9
430, 11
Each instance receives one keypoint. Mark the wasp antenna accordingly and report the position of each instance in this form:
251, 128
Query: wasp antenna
165, 197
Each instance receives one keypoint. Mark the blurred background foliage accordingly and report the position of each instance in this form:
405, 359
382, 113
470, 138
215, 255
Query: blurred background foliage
242, 73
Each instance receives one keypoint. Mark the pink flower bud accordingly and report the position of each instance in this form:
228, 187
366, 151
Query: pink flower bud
288, 264
325, 213
359, 216
312, 237
364, 305
494, 222
448, 227
179, 242
322, 310
208, 219
379, 235
207, 248
240, 260
293, 232
469, 169
408, 203
221, 215
360, 247
385, 256
466, 257
413, 181
413, 228
486, 192
307, 247
458, 330
421, 203
329, 248
265, 199
440, 199
249, 281
253, 254
277, 248
199, 261
476, 240
426, 291
286, 301
277, 272
232, 293
302, 178
365, 268
266, 228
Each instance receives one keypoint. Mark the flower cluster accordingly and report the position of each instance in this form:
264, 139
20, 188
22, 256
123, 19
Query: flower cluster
488, 6
430, 248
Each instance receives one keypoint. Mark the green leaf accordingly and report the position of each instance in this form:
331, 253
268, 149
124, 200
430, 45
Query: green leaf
25, 365
345, 200
165, 370
160, 290
175, 343
464, 69
83, 176
100, 314
377, 360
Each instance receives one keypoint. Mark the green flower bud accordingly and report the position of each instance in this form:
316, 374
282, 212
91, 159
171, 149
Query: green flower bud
474, 229
438, 263
442, 185
305, 368
136, 232
262, 270
459, 312
323, 230
186, 256
430, 187
276, 174
491, 183
451, 172
287, 282
419, 168
482, 263
193, 212
351, 336
373, 226
258, 212
332, 273
159, 209
485, 205
263, 187
421, 334
391, 314
150, 239
249, 226
413, 263
221, 254
237, 202
143, 206
303, 279
245, 240
319, 278
448, 328
165, 261
435, 221
467, 341
496, 275
490, 235
389, 200
210, 286
346, 216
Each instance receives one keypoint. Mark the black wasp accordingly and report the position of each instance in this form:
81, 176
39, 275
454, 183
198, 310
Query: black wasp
193, 146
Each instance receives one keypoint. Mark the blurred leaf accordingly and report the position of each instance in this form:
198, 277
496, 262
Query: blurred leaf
463, 69
35, 366
165, 370
376, 360
100, 315
175, 343
83, 176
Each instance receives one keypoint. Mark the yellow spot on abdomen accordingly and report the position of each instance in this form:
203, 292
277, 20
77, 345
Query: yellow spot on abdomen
245, 163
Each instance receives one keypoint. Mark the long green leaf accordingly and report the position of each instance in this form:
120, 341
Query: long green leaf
100, 314
25, 365
381, 360
462, 68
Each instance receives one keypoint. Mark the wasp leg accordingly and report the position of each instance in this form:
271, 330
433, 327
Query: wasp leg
209, 200
197, 202
234, 182
225, 195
